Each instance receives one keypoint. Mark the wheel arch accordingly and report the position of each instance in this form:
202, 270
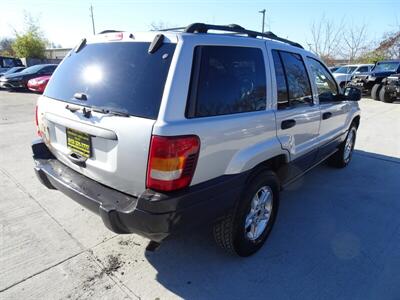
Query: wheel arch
277, 164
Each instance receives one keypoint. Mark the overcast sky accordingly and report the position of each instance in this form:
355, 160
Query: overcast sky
65, 22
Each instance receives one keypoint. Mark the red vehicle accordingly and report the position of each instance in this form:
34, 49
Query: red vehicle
38, 84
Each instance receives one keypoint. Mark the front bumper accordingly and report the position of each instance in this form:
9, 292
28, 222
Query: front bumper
364, 85
153, 215
12, 84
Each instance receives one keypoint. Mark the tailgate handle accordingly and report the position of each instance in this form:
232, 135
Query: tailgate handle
89, 129
78, 160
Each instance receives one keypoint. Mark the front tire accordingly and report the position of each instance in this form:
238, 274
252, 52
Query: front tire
384, 96
245, 229
375, 91
343, 156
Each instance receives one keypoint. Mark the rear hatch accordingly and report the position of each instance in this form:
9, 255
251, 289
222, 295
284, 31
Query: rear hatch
98, 110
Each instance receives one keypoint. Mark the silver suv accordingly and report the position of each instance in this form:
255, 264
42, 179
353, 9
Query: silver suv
159, 131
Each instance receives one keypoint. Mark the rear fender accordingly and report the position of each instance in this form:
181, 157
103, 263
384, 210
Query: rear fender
250, 157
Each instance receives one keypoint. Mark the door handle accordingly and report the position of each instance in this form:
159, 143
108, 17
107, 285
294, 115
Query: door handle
326, 115
286, 124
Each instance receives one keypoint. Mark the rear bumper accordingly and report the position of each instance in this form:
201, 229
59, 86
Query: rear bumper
152, 214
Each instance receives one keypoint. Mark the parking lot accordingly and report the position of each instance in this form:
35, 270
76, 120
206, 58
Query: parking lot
337, 235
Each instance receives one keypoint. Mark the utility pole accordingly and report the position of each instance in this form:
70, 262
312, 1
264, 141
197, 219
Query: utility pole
92, 16
263, 18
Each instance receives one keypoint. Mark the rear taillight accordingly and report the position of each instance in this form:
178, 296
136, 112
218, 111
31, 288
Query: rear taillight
39, 133
172, 162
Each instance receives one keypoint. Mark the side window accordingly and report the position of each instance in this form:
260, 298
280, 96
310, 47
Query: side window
326, 86
281, 85
226, 80
362, 69
47, 70
17, 62
297, 79
8, 62
293, 84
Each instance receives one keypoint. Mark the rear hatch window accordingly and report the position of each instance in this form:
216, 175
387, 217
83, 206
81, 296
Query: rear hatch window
119, 76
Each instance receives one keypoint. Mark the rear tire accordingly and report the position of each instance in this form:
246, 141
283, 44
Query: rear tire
384, 96
343, 156
375, 91
237, 232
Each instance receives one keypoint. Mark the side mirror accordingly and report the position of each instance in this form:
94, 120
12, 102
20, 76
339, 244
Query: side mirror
351, 94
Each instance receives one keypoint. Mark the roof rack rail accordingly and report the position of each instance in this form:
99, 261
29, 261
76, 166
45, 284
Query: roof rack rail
170, 29
234, 28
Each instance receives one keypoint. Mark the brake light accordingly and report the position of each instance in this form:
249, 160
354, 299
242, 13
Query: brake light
172, 162
114, 36
39, 133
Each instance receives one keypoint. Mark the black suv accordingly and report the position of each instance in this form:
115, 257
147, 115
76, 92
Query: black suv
7, 63
371, 84
390, 89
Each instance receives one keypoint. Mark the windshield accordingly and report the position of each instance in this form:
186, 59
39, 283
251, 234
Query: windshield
32, 69
386, 66
13, 70
346, 70
121, 76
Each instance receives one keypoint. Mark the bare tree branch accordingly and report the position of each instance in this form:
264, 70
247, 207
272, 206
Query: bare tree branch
326, 38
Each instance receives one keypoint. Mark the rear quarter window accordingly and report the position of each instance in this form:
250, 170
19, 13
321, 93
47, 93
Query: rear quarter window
121, 76
226, 80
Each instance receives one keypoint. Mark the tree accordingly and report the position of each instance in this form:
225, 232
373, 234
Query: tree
354, 42
31, 43
390, 45
6, 47
371, 57
388, 48
325, 38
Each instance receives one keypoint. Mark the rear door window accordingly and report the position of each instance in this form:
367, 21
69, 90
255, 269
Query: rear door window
121, 76
226, 80
281, 84
293, 83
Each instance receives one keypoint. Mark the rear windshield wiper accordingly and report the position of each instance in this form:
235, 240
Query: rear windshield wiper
104, 110
108, 111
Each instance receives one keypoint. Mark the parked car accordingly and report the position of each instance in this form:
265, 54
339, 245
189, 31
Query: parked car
344, 74
20, 80
192, 129
13, 70
7, 63
38, 84
390, 90
333, 69
371, 84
